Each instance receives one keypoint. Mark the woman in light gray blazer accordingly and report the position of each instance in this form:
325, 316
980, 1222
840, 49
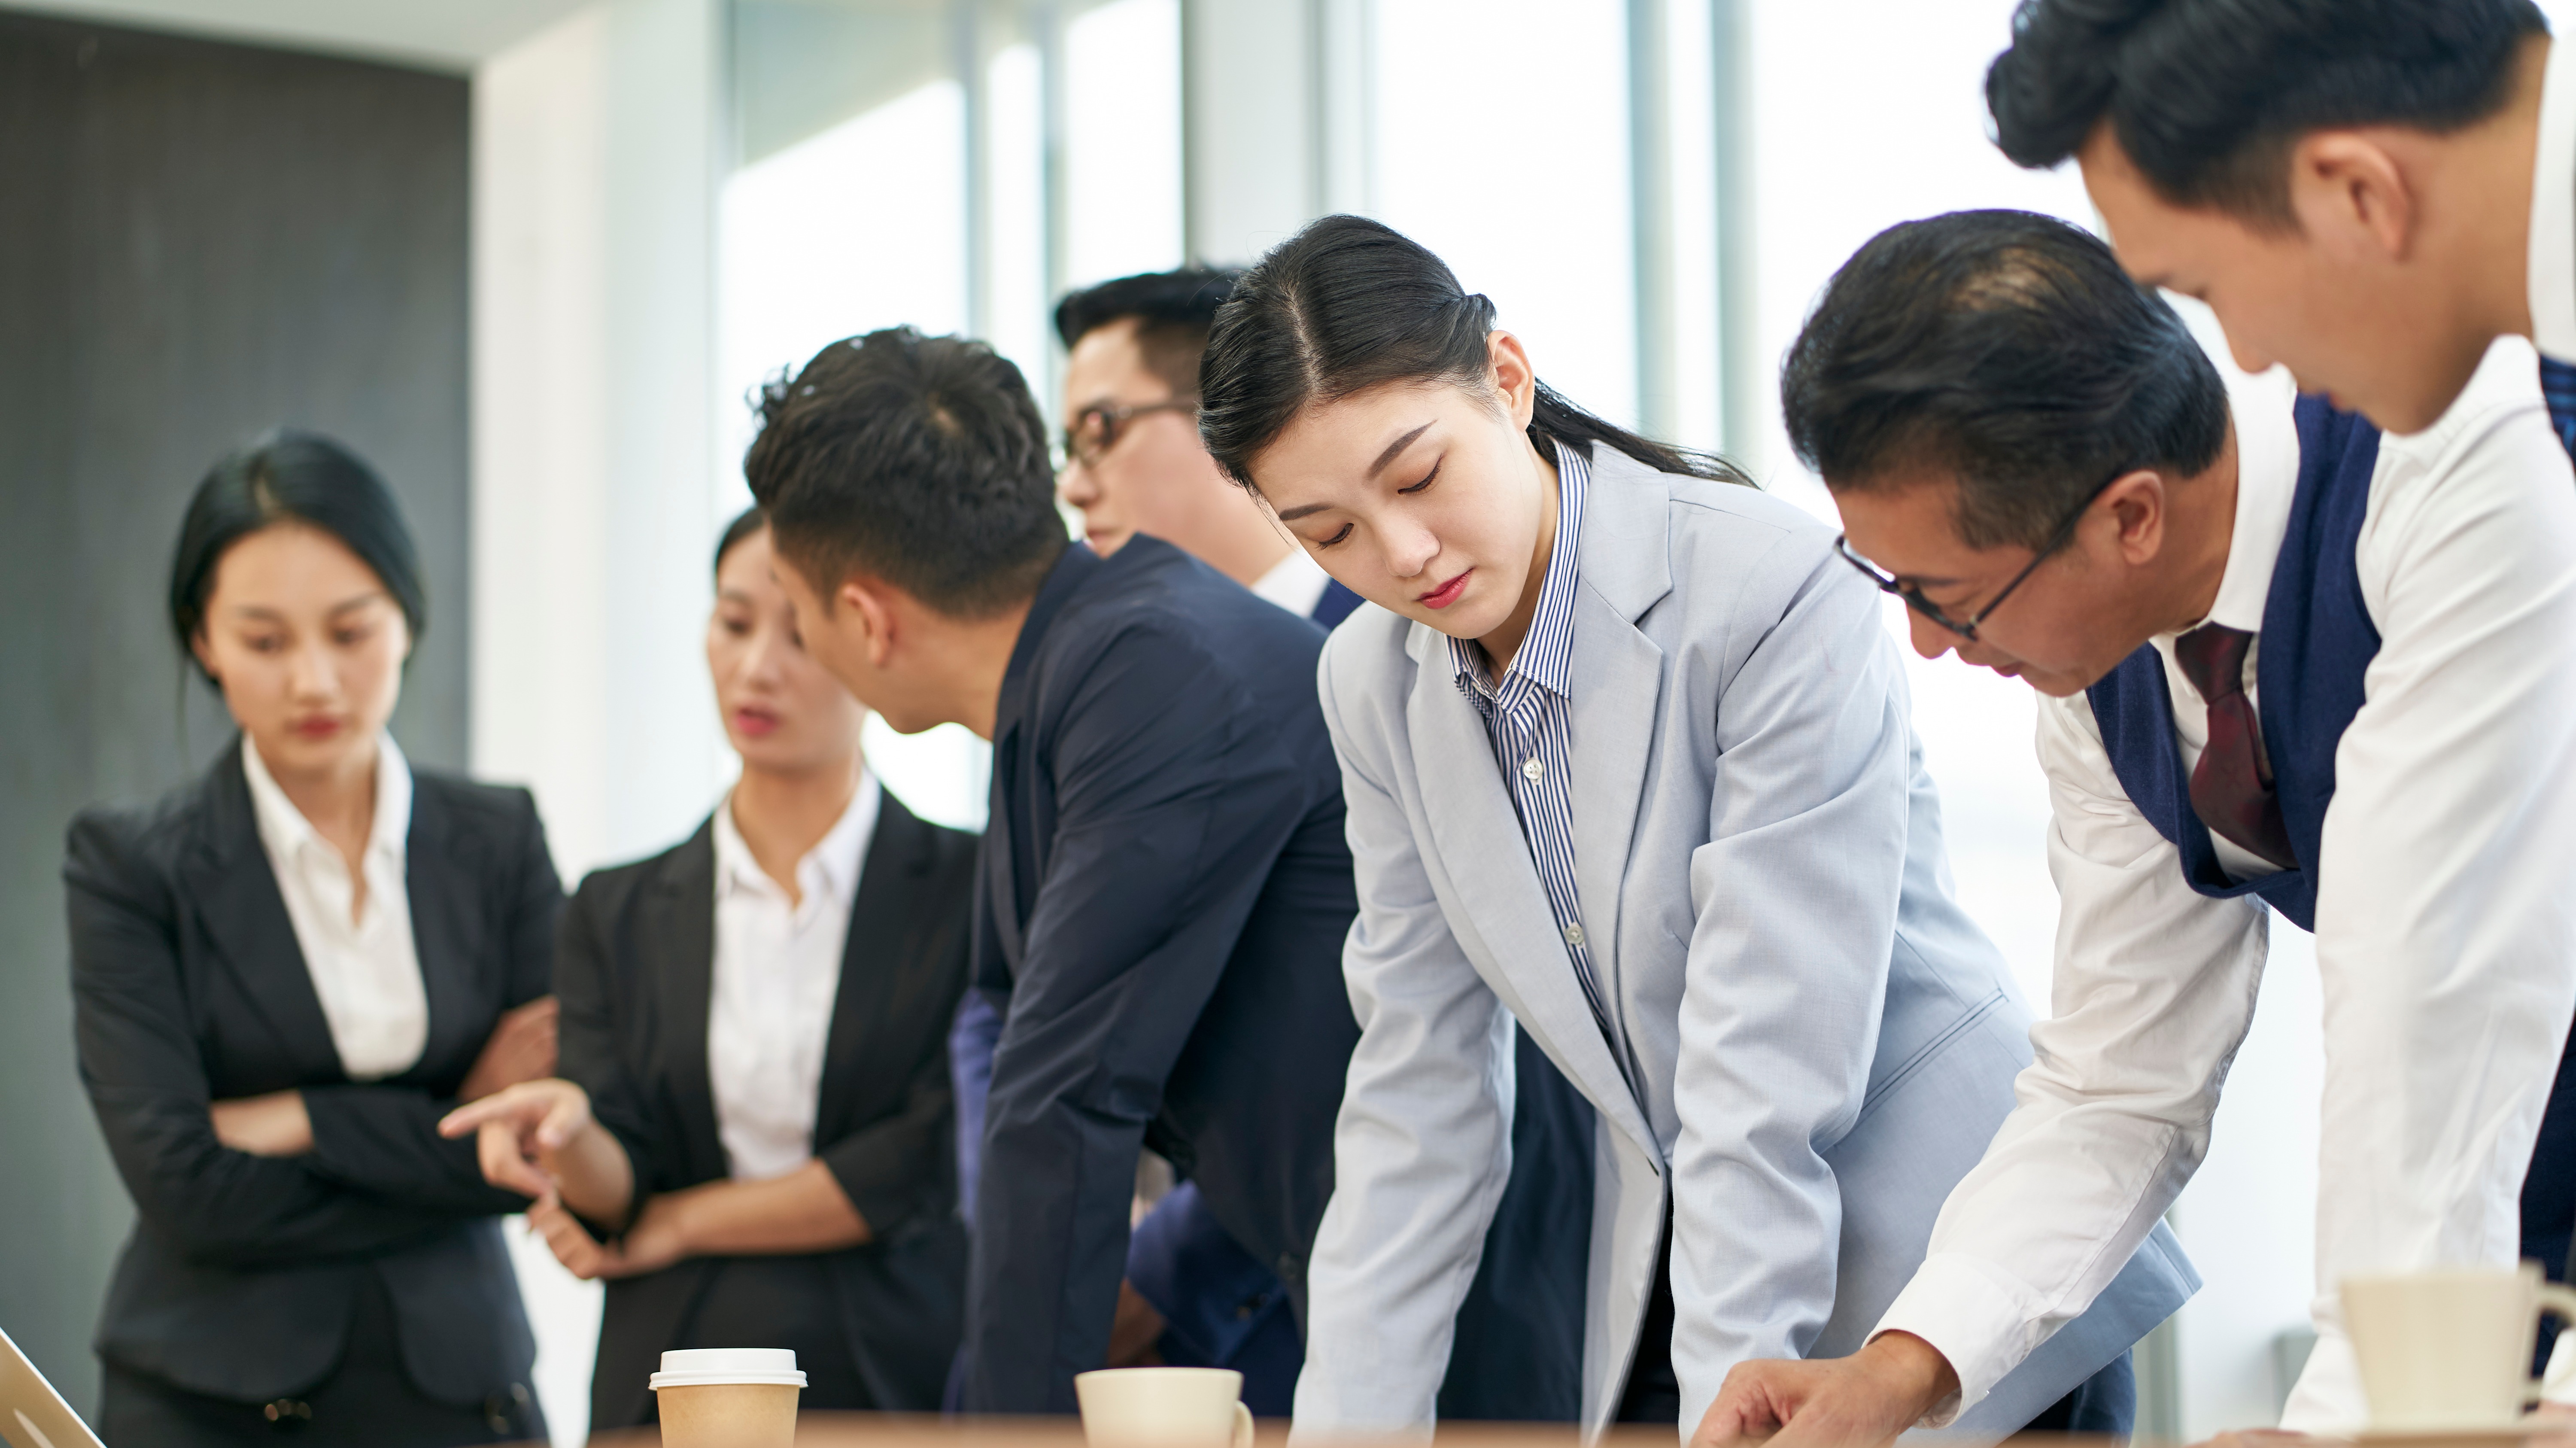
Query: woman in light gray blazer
1628, 760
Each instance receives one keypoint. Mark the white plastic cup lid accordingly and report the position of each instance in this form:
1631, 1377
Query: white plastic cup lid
709, 1366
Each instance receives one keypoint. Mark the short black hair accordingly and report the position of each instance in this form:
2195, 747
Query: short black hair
917, 460
2010, 350
745, 523
288, 476
1174, 311
2207, 97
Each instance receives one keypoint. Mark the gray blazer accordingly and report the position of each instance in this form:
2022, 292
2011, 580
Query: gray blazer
1825, 1041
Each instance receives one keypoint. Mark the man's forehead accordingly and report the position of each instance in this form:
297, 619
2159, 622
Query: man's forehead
1103, 357
1907, 522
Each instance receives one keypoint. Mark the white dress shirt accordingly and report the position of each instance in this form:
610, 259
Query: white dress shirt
2446, 918
1295, 583
2553, 210
777, 973
365, 964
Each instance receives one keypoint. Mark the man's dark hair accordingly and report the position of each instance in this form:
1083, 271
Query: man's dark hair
1173, 312
2008, 350
2209, 96
917, 460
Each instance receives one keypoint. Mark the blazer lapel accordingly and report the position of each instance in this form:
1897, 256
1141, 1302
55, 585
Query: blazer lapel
446, 927
995, 870
677, 941
238, 902
873, 978
1487, 863
1617, 678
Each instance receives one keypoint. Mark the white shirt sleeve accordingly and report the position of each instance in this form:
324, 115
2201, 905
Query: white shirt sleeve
2154, 991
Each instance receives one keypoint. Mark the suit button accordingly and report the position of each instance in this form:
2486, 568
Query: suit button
503, 1411
288, 1413
1285, 1267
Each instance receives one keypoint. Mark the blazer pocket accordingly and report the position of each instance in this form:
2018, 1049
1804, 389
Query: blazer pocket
1905, 1070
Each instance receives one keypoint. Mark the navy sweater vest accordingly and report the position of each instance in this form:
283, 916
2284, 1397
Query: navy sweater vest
2317, 640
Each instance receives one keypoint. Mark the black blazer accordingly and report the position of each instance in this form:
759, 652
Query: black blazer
188, 987
634, 973
1165, 891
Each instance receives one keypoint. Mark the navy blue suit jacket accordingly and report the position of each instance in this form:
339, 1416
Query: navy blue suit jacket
1162, 894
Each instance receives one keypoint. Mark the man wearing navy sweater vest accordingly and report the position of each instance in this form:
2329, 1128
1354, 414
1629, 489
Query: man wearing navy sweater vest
2285, 661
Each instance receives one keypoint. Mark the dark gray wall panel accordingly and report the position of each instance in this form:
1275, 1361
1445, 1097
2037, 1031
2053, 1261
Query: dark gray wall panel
197, 241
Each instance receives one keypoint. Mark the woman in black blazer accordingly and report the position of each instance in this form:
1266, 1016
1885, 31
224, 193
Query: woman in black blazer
754, 1141
283, 975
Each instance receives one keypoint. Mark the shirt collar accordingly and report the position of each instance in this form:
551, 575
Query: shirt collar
1545, 656
830, 869
2267, 480
1295, 582
284, 829
2553, 210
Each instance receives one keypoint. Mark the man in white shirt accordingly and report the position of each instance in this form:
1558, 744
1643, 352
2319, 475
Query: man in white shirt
2368, 192
2285, 661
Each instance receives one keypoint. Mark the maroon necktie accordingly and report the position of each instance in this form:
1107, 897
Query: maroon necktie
2231, 790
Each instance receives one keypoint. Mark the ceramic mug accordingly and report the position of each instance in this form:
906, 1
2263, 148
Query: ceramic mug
1163, 1408
2449, 1349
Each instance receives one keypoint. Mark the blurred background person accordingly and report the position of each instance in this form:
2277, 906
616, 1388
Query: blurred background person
751, 1139
1133, 462
283, 975
1132, 459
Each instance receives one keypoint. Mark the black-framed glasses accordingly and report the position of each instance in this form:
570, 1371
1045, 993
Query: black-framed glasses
1967, 628
1097, 428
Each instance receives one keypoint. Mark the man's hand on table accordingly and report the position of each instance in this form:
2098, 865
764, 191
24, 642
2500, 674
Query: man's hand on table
1861, 1401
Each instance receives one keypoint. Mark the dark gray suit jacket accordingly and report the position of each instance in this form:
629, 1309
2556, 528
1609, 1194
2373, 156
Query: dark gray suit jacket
188, 987
636, 966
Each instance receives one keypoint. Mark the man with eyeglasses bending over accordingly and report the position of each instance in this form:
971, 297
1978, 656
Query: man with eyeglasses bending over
2285, 661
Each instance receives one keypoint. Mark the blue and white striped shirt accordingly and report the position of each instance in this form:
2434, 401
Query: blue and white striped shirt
1527, 718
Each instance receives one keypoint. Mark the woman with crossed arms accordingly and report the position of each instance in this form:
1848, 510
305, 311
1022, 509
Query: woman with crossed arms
752, 1139
283, 974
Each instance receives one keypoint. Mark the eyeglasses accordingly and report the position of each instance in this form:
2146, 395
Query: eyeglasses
1967, 628
1097, 428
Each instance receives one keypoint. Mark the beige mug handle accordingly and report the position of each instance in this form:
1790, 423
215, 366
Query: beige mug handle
2552, 1299
1243, 1415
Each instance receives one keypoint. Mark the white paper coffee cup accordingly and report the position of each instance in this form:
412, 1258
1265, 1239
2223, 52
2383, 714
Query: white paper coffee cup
728, 1397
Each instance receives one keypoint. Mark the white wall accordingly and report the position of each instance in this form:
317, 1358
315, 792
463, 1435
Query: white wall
595, 153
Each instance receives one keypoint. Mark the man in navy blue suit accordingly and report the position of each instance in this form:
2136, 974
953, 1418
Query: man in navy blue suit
1163, 884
